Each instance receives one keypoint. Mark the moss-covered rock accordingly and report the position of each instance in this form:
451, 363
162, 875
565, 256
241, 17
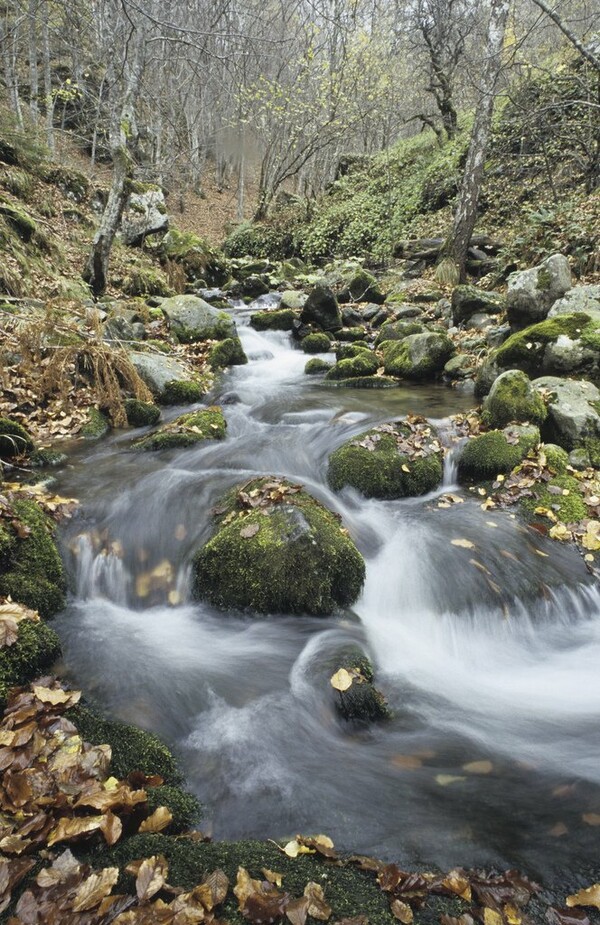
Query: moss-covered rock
228, 352
322, 310
316, 343
367, 382
31, 570
199, 260
192, 319
186, 430
496, 452
348, 351
562, 493
146, 281
418, 356
14, 439
469, 300
361, 286
248, 563
46, 458
281, 319
365, 363
141, 413
513, 398
398, 330
383, 462
351, 335
181, 392
349, 891
96, 426
184, 807
316, 366
35, 650
361, 702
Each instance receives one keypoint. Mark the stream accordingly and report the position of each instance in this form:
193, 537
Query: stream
488, 655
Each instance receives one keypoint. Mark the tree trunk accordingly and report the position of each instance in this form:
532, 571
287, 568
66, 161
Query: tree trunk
586, 53
33, 67
48, 97
122, 125
466, 209
7, 44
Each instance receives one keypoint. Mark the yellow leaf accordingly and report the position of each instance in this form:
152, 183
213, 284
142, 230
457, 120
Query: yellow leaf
402, 912
151, 876
405, 468
464, 544
478, 767
71, 828
491, 917
591, 818
294, 848
445, 779
93, 890
341, 680
588, 897
48, 695
159, 820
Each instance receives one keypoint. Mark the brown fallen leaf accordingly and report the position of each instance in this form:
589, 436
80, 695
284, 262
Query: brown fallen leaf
249, 531
317, 907
93, 890
587, 897
402, 912
159, 820
151, 877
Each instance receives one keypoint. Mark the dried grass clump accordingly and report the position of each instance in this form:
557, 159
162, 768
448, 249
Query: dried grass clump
447, 272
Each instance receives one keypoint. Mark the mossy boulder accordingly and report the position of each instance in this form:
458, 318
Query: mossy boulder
181, 392
397, 460
186, 430
316, 343
96, 426
362, 286
191, 319
146, 281
398, 330
36, 648
496, 452
348, 351
281, 319
532, 293
365, 363
141, 413
573, 410
316, 367
248, 563
294, 299
31, 570
352, 334
361, 702
322, 310
14, 439
564, 345
199, 260
228, 352
367, 382
469, 300
418, 356
513, 398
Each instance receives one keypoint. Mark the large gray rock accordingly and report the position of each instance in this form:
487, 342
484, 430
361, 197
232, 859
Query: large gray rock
572, 410
145, 214
294, 299
322, 309
157, 370
579, 299
532, 293
513, 399
419, 356
468, 301
192, 319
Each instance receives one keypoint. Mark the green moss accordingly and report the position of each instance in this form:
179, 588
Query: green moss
525, 349
199, 260
280, 320
141, 413
363, 364
398, 330
185, 431
97, 425
255, 239
317, 366
228, 352
367, 382
71, 182
513, 398
379, 472
185, 808
556, 458
35, 650
348, 891
299, 537
42, 459
316, 343
419, 356
181, 392
348, 351
570, 507
144, 281
20, 221
490, 454
31, 570
133, 749
351, 335
592, 446
362, 702
362, 287
14, 439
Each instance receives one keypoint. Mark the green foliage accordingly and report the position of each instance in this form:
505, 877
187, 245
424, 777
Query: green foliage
14, 439
259, 240
35, 650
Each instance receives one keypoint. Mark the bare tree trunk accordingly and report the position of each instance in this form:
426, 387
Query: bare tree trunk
241, 181
7, 43
122, 125
466, 209
33, 67
589, 56
48, 96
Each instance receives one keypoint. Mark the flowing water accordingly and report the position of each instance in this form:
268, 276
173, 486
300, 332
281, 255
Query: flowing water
488, 655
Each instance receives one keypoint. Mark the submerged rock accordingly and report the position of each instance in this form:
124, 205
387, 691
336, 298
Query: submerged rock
186, 430
277, 550
357, 699
390, 461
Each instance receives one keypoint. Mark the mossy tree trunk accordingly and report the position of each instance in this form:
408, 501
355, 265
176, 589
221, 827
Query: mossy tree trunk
121, 139
466, 209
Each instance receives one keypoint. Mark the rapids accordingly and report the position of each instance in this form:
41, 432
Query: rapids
488, 656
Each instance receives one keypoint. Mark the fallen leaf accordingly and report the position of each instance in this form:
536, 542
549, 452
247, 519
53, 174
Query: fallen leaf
93, 890
587, 897
159, 820
249, 531
151, 877
341, 680
402, 912
464, 544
